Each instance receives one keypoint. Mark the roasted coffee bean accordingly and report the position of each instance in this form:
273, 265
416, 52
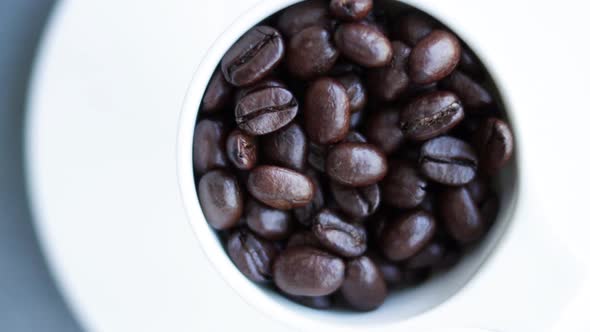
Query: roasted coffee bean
460, 215
495, 144
221, 199
305, 213
356, 119
448, 160
356, 164
316, 302
303, 239
327, 111
242, 150
317, 156
286, 147
479, 189
357, 95
364, 287
472, 94
253, 56
264, 111
392, 273
403, 187
311, 53
355, 137
390, 81
262, 85
431, 115
218, 93
208, 147
268, 223
431, 256
303, 15
253, 256
434, 57
357, 202
305, 271
383, 130
407, 234
363, 44
351, 10
280, 187
344, 67
413, 27
337, 235
470, 65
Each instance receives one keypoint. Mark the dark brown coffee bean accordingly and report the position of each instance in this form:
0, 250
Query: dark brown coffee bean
432, 255
266, 222
470, 65
208, 146
327, 111
479, 189
357, 95
242, 150
253, 256
303, 15
355, 137
305, 239
412, 27
460, 215
317, 156
383, 130
218, 93
306, 271
311, 53
364, 287
264, 111
363, 44
356, 119
403, 187
286, 147
434, 57
344, 67
253, 56
340, 237
407, 234
431, 115
356, 164
221, 199
351, 10
280, 187
390, 81
391, 272
305, 213
315, 302
448, 160
495, 144
262, 85
357, 202
472, 94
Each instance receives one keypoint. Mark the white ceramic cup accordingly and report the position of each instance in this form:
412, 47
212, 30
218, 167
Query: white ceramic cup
411, 310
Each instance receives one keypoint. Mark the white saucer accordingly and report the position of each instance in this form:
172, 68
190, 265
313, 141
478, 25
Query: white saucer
102, 129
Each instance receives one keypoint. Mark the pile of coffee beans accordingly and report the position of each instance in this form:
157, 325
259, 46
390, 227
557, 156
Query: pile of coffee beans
343, 152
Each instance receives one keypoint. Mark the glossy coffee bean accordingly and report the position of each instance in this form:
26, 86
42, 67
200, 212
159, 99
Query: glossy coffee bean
286, 147
431, 115
390, 81
407, 234
242, 150
363, 44
470, 65
221, 199
364, 287
253, 56
268, 223
355, 90
280, 187
448, 160
311, 53
262, 85
209, 146
413, 27
472, 94
403, 187
303, 15
252, 255
305, 271
316, 157
434, 57
460, 215
264, 111
218, 93
432, 255
350, 10
383, 130
479, 189
356, 119
391, 272
305, 213
315, 302
327, 111
357, 202
495, 144
303, 239
356, 164
339, 236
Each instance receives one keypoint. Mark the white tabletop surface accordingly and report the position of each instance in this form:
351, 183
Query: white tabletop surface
102, 151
